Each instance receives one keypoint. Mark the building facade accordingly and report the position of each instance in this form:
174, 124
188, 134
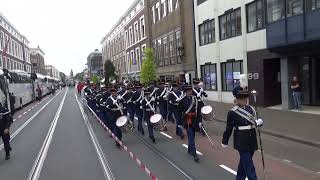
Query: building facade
170, 27
125, 43
52, 72
270, 41
95, 64
14, 50
37, 61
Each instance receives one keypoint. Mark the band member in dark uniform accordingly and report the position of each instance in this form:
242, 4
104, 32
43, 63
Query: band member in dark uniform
175, 97
114, 112
136, 98
189, 106
148, 106
5, 123
242, 121
199, 93
127, 101
103, 101
162, 103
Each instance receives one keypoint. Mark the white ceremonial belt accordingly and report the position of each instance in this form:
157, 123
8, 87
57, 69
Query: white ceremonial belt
245, 127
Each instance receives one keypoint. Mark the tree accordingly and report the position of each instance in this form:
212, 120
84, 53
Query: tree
95, 79
109, 70
62, 77
71, 74
79, 76
148, 70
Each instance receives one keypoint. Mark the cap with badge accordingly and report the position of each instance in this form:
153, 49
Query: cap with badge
239, 92
187, 88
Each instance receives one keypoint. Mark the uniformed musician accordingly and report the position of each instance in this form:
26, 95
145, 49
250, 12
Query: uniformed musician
161, 102
148, 106
199, 93
136, 98
189, 107
242, 121
103, 103
5, 123
127, 101
175, 97
115, 111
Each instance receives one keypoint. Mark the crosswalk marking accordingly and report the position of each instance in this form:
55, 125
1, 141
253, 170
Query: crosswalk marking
198, 152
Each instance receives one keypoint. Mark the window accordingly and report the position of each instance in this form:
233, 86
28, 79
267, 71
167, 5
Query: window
294, 7
136, 32
207, 32
312, 4
179, 44
172, 49
200, 1
153, 15
209, 76
163, 8
138, 56
165, 50
169, 6
230, 73
255, 16
230, 24
175, 4
275, 10
157, 12
1, 40
142, 28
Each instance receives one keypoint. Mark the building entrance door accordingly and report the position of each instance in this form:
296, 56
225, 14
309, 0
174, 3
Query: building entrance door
272, 82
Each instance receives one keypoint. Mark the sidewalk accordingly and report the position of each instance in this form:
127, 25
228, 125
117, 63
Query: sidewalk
294, 126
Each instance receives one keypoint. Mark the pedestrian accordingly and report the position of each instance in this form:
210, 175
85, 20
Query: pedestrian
242, 120
5, 123
12, 103
296, 93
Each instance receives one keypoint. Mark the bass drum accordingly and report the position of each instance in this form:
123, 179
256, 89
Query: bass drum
124, 124
157, 122
207, 113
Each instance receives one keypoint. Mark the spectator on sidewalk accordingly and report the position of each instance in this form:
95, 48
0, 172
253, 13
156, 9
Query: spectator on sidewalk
12, 102
296, 93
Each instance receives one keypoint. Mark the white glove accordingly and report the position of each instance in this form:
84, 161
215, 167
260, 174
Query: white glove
118, 97
259, 122
200, 124
224, 146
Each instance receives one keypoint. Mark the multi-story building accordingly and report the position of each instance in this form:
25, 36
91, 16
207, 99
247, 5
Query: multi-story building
268, 40
14, 50
125, 43
170, 27
95, 64
52, 72
37, 61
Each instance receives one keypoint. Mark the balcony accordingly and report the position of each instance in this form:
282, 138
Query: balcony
293, 31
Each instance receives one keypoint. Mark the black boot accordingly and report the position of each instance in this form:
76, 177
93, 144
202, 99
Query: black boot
118, 145
153, 139
182, 137
7, 156
196, 158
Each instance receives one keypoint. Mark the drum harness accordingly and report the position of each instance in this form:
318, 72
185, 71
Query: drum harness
115, 102
199, 95
247, 116
191, 115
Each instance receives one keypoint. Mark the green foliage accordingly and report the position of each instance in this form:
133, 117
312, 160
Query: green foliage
71, 74
62, 77
148, 70
95, 79
109, 70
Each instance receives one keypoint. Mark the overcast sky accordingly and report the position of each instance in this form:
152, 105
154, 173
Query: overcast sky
66, 30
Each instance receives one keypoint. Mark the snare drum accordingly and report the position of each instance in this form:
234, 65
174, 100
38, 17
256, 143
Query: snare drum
207, 113
157, 121
123, 123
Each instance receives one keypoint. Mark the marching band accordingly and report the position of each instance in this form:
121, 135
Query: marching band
120, 103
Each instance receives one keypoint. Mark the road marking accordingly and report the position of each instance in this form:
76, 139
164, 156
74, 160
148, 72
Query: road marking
198, 152
28, 121
230, 170
107, 170
38, 164
25, 113
146, 124
36, 105
166, 135
14, 120
19, 116
32, 107
286, 160
29, 109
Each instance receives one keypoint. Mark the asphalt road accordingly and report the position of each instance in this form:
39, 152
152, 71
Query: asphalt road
59, 138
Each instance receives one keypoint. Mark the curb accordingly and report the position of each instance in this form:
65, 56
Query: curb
290, 138
134, 157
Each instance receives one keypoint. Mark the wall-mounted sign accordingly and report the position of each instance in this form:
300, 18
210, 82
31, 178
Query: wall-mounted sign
253, 76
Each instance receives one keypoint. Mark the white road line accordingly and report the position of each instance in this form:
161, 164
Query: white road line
19, 116
38, 164
166, 135
146, 124
28, 121
29, 109
107, 171
286, 160
230, 170
32, 107
14, 120
25, 113
198, 152
35, 105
